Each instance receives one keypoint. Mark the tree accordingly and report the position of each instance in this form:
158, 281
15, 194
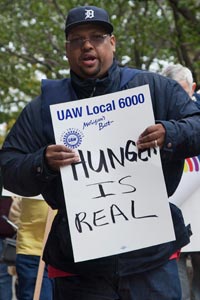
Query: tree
32, 43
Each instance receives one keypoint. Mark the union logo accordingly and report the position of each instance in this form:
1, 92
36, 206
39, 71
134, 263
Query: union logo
72, 138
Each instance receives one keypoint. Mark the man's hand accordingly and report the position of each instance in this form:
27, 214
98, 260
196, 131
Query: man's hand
58, 156
153, 136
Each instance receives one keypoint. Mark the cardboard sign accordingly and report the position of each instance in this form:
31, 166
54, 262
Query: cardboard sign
115, 196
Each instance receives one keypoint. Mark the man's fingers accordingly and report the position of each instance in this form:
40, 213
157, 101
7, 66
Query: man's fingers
152, 137
59, 156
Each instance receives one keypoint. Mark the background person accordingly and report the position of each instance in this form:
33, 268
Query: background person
29, 246
190, 288
6, 230
30, 146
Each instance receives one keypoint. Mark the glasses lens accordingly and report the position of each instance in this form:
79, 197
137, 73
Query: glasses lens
76, 43
95, 40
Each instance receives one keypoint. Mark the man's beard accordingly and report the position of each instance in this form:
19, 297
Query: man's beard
93, 74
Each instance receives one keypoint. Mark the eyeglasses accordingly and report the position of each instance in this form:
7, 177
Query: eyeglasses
95, 40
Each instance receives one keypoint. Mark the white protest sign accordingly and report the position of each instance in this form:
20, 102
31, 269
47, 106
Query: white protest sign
187, 197
115, 196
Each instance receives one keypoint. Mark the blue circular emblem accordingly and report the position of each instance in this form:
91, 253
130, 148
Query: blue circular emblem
72, 138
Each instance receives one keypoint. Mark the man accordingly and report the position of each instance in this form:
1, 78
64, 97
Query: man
31, 161
184, 77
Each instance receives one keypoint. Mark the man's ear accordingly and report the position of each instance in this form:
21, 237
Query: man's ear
113, 42
194, 85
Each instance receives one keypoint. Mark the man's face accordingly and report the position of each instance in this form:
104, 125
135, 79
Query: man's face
91, 51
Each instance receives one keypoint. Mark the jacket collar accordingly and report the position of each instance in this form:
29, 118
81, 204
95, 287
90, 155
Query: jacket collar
95, 87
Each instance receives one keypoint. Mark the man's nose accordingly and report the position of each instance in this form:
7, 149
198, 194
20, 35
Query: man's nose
87, 43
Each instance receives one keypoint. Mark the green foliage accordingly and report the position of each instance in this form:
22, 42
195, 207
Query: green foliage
32, 44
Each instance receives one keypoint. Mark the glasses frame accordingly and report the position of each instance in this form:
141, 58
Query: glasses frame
79, 42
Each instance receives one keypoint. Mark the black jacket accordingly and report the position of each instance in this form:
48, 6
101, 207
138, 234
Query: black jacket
25, 172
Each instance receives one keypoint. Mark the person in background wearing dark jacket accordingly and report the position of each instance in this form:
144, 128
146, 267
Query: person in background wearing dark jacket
6, 230
31, 162
189, 291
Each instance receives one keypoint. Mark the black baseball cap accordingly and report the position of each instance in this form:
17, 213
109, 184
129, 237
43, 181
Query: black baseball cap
87, 14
